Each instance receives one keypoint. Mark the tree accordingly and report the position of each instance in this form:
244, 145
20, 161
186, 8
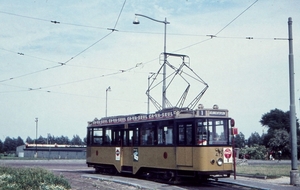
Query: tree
62, 140
8, 145
29, 140
277, 119
19, 141
280, 140
239, 140
254, 139
1, 146
277, 136
41, 140
76, 140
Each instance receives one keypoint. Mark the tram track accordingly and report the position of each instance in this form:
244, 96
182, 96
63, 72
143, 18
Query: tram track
150, 184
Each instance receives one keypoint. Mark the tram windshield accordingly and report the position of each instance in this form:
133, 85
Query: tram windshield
212, 131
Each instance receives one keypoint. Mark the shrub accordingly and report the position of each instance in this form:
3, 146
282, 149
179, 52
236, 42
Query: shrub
257, 152
31, 178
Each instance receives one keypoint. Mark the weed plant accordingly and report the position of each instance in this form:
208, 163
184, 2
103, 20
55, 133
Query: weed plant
30, 179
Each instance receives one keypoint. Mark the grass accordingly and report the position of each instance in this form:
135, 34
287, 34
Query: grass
30, 178
265, 170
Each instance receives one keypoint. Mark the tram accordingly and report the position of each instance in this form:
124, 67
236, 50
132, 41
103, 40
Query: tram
171, 143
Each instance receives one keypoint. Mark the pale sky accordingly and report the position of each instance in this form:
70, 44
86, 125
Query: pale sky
59, 72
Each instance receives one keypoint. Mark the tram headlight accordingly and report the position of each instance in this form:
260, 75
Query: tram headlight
220, 162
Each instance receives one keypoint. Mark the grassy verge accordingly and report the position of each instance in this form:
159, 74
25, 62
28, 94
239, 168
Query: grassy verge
265, 170
30, 178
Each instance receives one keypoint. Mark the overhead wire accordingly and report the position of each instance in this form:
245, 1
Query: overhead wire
236, 17
137, 65
52, 21
62, 63
215, 35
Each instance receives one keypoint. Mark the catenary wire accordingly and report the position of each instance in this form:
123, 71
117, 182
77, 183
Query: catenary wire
211, 36
236, 17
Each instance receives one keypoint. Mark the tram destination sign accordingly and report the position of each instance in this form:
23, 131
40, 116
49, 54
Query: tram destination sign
133, 118
220, 113
217, 113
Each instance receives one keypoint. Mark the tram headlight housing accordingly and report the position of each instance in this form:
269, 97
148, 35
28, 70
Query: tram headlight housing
220, 162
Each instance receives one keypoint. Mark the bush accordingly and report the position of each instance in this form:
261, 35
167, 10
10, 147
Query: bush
31, 178
257, 152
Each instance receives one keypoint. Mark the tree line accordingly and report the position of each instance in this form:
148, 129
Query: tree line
10, 144
274, 143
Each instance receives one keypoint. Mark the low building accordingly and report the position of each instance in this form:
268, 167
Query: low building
49, 151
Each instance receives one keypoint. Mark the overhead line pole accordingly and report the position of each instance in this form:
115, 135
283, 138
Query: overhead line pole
165, 22
294, 173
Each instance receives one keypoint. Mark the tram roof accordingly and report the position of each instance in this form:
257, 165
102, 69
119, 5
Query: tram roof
170, 113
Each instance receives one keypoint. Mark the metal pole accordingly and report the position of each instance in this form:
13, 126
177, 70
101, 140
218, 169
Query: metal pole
148, 92
164, 93
108, 89
294, 173
165, 22
106, 104
36, 131
233, 156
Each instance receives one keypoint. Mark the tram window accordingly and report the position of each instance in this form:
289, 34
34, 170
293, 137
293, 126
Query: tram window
165, 135
185, 134
98, 136
125, 136
133, 134
181, 134
130, 137
147, 134
89, 136
116, 138
98, 132
107, 139
218, 131
201, 133
136, 137
169, 135
189, 136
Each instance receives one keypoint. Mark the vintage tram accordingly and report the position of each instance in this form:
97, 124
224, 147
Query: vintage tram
171, 144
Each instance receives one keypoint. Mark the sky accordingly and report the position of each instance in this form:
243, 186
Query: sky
58, 58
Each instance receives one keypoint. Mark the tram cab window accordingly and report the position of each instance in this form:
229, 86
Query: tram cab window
89, 136
218, 131
98, 136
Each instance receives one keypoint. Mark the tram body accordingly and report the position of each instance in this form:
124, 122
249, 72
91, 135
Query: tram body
171, 143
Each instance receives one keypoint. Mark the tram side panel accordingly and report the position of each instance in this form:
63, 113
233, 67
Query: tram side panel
154, 157
108, 156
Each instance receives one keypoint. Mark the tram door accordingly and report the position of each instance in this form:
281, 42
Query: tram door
184, 150
123, 139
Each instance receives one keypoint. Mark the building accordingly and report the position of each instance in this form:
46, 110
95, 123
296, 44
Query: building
50, 151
